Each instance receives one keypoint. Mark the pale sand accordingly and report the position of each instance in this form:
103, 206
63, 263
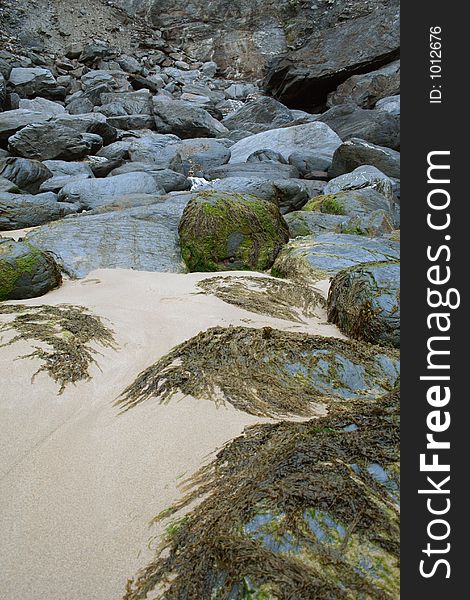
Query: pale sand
78, 483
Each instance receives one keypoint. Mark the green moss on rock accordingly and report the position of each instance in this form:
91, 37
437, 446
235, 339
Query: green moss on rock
227, 231
26, 271
328, 203
290, 510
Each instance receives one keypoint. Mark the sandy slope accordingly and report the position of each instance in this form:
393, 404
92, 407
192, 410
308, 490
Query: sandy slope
78, 482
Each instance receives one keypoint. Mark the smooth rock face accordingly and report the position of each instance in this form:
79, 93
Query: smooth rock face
166, 179
181, 119
313, 258
222, 231
316, 138
25, 271
362, 177
355, 153
144, 238
27, 174
364, 302
391, 104
302, 223
47, 141
263, 170
23, 210
365, 90
203, 154
358, 202
92, 193
334, 52
377, 127
259, 115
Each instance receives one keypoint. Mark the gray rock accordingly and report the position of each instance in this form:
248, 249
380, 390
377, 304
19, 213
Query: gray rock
161, 150
364, 302
129, 64
112, 109
377, 127
185, 121
27, 174
25, 271
203, 154
62, 168
80, 106
390, 105
134, 103
303, 223
7, 186
317, 257
132, 122
37, 81
353, 202
44, 141
209, 69
3, 92
316, 138
307, 162
262, 170
259, 115
266, 156
56, 183
12, 121
166, 179
365, 90
355, 153
116, 151
362, 177
240, 91
91, 193
42, 105
23, 210
143, 238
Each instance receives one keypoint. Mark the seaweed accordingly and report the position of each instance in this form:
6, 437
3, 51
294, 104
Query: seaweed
266, 296
266, 372
66, 331
289, 511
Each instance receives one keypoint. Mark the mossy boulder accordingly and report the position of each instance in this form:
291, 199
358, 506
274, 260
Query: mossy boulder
222, 231
352, 202
364, 302
26, 271
303, 222
315, 257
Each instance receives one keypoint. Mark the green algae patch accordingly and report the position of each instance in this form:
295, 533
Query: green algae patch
364, 302
276, 298
328, 203
227, 231
289, 510
65, 333
267, 372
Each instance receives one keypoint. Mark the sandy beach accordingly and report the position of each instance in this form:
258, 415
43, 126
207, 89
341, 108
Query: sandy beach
80, 482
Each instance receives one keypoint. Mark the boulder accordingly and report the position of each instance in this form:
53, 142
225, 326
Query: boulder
355, 202
316, 138
306, 162
27, 174
42, 105
12, 121
391, 104
362, 177
366, 89
18, 211
166, 179
186, 121
134, 103
266, 156
316, 257
64, 168
302, 223
203, 154
158, 149
221, 231
3, 92
355, 153
35, 81
46, 141
25, 271
364, 302
350, 121
92, 193
259, 115
346, 40
143, 238
261, 170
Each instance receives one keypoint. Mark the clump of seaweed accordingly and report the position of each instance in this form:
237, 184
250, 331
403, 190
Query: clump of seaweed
290, 510
266, 372
266, 296
65, 331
